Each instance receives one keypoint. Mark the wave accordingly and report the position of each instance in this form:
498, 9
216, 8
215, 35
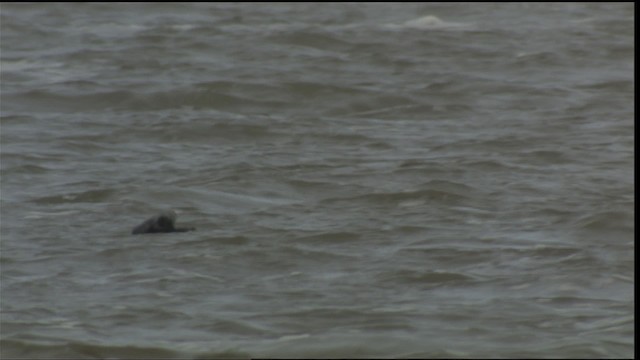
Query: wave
91, 196
430, 277
432, 191
20, 349
429, 22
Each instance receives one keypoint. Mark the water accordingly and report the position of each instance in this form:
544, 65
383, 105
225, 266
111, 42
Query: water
366, 180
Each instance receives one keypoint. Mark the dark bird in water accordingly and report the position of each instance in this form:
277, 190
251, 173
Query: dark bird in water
162, 223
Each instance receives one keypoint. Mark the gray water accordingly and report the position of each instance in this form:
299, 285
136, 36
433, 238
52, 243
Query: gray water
366, 180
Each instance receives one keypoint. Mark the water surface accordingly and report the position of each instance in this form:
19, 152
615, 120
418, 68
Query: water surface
366, 180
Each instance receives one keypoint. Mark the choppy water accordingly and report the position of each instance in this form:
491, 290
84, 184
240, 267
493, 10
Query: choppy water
367, 180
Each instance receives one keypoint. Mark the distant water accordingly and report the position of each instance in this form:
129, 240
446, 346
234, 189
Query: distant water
367, 180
